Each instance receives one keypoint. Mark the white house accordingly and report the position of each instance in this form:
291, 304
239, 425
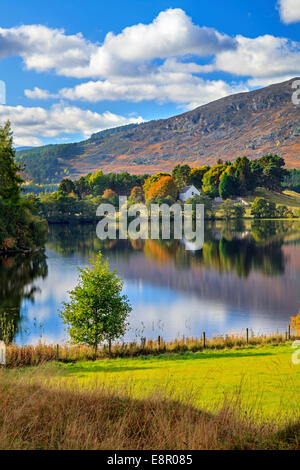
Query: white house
188, 192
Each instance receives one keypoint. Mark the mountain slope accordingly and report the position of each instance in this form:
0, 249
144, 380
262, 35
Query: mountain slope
253, 123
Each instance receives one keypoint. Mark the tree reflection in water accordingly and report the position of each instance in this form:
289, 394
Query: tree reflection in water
239, 248
17, 276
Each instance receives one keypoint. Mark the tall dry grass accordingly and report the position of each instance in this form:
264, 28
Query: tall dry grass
20, 356
36, 415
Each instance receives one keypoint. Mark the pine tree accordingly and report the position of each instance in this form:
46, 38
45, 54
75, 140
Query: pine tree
10, 179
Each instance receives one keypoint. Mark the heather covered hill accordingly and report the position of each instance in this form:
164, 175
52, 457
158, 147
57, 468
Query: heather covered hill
252, 123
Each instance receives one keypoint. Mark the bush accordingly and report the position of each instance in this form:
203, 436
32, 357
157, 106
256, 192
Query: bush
209, 210
261, 208
232, 210
284, 212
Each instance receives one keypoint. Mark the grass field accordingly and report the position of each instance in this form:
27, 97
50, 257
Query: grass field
245, 398
265, 378
290, 199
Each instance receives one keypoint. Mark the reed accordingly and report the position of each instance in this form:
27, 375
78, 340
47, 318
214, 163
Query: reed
21, 356
37, 415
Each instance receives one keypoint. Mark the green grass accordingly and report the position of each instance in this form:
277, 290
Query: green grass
291, 199
265, 377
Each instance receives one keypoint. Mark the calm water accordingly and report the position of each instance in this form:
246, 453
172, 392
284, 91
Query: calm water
245, 276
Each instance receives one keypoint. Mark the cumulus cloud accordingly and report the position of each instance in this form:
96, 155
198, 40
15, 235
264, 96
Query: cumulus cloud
172, 33
173, 81
266, 81
164, 86
125, 66
43, 48
155, 61
289, 11
30, 124
265, 57
38, 93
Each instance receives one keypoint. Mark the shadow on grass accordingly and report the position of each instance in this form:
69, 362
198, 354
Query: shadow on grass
96, 367
102, 419
206, 355
112, 366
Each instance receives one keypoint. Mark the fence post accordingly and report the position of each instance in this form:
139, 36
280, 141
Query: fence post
2, 353
247, 335
204, 340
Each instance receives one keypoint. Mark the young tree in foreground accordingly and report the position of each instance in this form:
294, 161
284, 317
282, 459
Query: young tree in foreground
97, 311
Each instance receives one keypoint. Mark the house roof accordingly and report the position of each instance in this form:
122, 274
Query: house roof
186, 188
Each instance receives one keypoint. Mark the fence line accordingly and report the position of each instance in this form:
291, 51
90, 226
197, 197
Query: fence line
19, 356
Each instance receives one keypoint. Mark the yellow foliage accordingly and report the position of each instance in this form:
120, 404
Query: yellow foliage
295, 322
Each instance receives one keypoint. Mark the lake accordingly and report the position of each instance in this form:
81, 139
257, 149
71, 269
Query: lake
246, 275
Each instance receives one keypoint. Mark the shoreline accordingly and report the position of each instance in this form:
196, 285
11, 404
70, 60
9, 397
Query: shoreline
25, 251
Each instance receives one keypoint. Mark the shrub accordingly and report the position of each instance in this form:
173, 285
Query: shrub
261, 208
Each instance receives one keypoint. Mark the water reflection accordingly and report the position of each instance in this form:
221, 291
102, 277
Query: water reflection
226, 248
17, 276
246, 275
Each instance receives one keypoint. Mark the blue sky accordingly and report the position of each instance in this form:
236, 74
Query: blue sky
74, 67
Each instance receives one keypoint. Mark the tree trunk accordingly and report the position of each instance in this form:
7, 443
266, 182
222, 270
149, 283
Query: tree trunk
109, 347
95, 351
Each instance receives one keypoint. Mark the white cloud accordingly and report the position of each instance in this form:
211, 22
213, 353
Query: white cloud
266, 81
30, 124
38, 93
289, 11
126, 69
156, 61
172, 33
43, 48
262, 57
177, 87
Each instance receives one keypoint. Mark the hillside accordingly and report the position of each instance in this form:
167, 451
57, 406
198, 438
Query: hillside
253, 123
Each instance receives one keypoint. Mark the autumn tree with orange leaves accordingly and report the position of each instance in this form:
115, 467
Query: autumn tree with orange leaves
109, 193
150, 181
165, 187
